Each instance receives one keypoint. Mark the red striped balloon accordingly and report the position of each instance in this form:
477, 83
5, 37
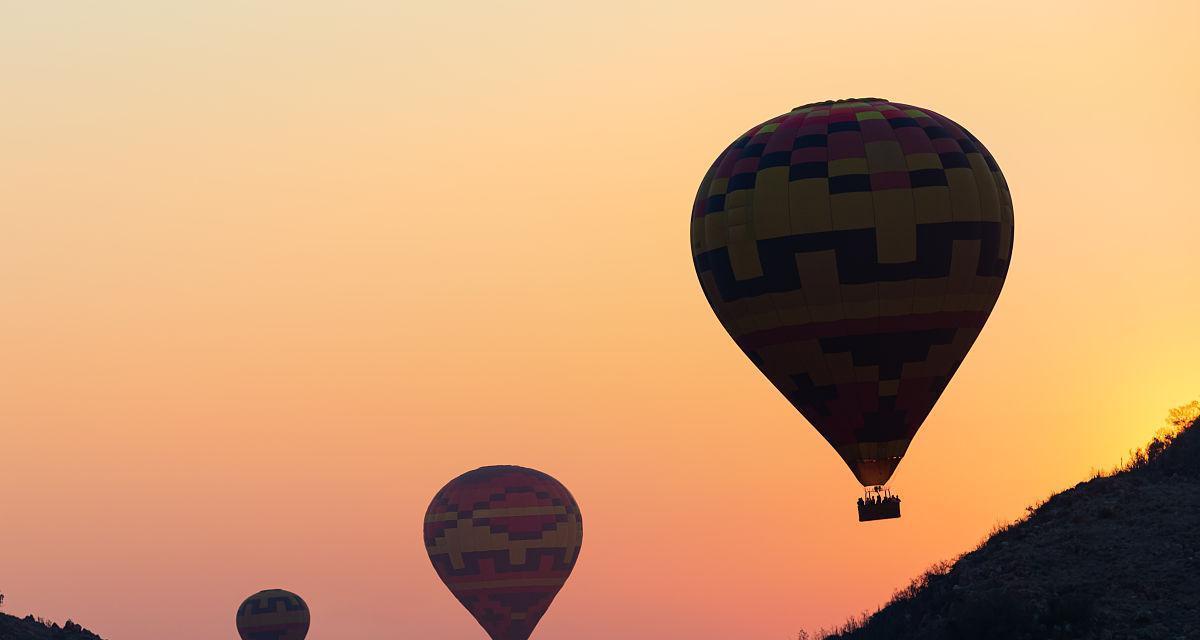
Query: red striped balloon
504, 539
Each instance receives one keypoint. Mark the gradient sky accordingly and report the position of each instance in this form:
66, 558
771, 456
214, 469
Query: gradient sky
274, 272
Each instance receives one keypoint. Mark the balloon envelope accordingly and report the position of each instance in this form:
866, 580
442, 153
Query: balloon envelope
853, 249
504, 539
273, 614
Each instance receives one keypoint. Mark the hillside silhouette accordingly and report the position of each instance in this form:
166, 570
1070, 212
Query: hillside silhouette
1116, 557
31, 628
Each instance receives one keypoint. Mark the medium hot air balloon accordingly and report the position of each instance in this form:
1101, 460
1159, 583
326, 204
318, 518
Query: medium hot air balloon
273, 614
504, 539
853, 249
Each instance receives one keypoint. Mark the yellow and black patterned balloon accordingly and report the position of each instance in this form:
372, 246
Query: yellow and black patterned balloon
854, 249
273, 614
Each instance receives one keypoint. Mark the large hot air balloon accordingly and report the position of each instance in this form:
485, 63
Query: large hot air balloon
273, 614
504, 539
853, 249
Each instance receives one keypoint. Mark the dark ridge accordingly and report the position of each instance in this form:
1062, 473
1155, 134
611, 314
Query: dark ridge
1116, 557
839, 101
31, 628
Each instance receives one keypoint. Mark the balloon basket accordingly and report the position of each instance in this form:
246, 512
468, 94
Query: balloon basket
878, 503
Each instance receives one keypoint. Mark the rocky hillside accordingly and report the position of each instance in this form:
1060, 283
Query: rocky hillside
30, 628
1114, 558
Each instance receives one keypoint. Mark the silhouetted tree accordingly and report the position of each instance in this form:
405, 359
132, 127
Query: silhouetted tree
1180, 418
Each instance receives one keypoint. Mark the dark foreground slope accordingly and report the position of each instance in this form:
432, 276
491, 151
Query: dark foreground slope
1113, 558
29, 628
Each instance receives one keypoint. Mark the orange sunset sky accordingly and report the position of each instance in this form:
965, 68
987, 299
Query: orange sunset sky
274, 272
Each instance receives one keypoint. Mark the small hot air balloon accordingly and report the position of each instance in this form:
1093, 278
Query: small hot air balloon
854, 249
504, 539
273, 614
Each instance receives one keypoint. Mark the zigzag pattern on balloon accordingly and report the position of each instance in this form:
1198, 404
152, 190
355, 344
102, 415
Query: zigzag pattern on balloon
501, 561
855, 257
